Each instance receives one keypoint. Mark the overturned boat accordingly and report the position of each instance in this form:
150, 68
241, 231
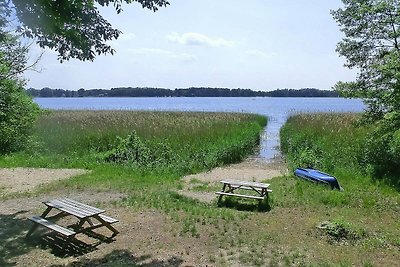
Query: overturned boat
318, 177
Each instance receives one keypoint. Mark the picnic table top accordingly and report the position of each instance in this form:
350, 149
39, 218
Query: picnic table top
245, 183
73, 207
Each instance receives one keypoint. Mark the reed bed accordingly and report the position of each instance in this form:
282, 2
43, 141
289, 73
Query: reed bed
334, 143
324, 140
185, 142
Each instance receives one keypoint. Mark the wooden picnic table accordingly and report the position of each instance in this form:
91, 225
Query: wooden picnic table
230, 186
89, 217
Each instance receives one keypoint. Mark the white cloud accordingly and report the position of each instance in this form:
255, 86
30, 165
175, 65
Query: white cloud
259, 54
193, 38
152, 51
165, 53
122, 40
127, 36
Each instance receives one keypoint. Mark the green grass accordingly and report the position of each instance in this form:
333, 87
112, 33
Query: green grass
364, 217
365, 213
147, 141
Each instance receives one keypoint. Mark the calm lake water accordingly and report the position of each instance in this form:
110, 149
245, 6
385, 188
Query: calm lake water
276, 109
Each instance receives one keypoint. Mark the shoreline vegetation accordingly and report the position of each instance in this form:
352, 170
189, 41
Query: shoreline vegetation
147, 141
188, 92
144, 156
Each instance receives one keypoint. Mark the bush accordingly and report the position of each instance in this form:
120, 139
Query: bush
382, 150
17, 115
132, 150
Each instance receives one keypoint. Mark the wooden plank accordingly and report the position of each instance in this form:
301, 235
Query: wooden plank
53, 226
239, 195
245, 183
69, 209
82, 206
241, 187
66, 208
108, 219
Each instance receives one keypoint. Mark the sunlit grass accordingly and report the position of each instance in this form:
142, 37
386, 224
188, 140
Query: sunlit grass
324, 140
182, 142
365, 214
334, 143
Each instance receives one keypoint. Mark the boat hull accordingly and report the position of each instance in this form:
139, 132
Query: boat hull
318, 177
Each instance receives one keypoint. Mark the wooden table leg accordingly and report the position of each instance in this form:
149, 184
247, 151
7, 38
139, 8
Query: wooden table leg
106, 224
223, 190
35, 225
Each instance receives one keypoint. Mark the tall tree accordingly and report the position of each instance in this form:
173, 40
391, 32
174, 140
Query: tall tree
74, 28
372, 46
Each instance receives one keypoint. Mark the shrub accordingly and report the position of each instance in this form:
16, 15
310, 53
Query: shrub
132, 150
382, 149
17, 116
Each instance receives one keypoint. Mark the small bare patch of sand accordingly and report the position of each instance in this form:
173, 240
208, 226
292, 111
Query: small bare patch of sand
249, 170
252, 169
13, 180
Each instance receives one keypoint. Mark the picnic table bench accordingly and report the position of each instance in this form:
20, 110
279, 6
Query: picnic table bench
68, 207
229, 187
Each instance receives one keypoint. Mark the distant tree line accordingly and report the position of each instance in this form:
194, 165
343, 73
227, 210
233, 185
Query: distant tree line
187, 92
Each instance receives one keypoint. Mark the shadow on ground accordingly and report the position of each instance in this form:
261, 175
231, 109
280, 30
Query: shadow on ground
13, 228
244, 205
12, 235
59, 246
125, 258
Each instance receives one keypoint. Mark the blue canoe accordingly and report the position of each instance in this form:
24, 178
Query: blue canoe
317, 176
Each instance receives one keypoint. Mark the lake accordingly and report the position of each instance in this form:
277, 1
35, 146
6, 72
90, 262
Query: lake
277, 109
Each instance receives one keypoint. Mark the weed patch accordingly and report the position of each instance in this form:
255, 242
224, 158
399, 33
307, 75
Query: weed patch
343, 232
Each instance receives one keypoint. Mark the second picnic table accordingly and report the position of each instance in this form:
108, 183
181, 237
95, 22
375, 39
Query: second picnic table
67, 207
230, 186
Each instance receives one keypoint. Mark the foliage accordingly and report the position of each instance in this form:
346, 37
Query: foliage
132, 150
372, 46
178, 142
75, 29
382, 150
285, 236
17, 110
325, 141
337, 143
17, 115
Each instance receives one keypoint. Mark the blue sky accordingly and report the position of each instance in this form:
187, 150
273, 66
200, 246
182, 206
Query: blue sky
256, 44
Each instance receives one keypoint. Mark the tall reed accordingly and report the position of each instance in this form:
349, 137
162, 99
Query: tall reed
183, 141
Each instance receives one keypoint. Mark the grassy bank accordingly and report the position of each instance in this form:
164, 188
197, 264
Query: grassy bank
362, 217
358, 227
175, 142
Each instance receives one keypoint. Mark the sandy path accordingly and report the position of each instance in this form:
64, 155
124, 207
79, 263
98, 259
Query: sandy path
14, 180
252, 169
